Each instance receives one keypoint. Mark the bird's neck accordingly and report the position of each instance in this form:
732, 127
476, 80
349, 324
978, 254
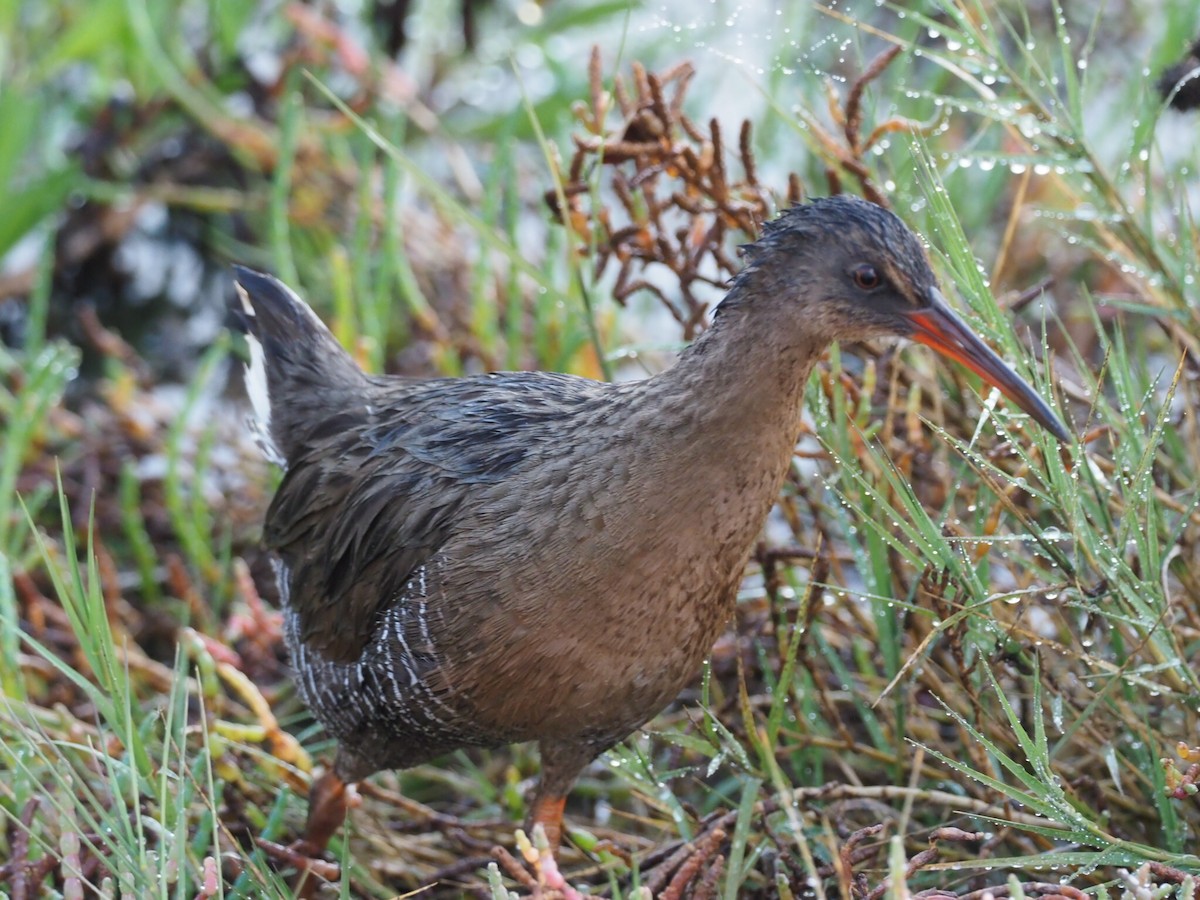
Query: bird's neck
739, 384
730, 411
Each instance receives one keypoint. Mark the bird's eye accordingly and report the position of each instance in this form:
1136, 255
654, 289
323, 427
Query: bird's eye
866, 277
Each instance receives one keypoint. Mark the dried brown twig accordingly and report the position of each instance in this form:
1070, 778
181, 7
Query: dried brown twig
849, 155
676, 199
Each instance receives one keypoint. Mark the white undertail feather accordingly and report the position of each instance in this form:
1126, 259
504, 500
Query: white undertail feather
256, 387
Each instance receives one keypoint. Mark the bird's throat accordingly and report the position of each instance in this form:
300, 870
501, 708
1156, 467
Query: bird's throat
740, 392
733, 410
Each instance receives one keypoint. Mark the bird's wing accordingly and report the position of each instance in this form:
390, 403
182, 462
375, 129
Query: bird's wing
378, 489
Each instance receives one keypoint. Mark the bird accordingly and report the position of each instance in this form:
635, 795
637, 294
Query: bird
533, 556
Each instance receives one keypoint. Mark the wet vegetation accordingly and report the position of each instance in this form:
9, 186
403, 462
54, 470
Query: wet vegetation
966, 659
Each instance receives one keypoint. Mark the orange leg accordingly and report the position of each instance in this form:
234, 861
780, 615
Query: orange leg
548, 812
329, 799
562, 761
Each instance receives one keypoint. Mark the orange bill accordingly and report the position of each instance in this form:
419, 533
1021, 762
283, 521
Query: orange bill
939, 327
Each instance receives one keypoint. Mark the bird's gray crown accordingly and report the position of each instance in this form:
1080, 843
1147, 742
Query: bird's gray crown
824, 237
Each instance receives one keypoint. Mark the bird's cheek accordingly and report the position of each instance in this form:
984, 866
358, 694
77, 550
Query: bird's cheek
870, 325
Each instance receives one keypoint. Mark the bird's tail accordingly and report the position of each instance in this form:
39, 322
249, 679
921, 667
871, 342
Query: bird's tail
298, 374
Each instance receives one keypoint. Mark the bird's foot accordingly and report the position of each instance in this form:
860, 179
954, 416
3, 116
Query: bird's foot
312, 870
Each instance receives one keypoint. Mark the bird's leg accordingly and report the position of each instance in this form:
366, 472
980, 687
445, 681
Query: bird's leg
329, 800
547, 811
562, 761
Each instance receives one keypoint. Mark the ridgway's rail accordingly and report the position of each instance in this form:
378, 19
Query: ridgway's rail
528, 556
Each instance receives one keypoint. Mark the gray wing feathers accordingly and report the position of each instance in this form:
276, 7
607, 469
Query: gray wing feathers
377, 491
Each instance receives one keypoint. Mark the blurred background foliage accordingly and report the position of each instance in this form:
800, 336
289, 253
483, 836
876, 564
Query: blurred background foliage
965, 659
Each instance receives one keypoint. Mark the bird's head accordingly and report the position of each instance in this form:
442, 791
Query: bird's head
842, 269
